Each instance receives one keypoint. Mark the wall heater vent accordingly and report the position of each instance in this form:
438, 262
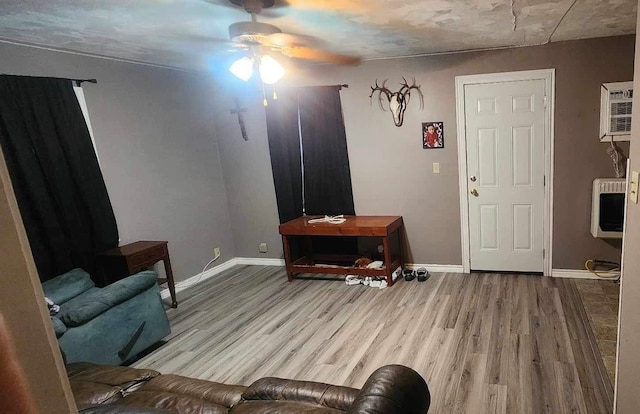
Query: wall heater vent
607, 207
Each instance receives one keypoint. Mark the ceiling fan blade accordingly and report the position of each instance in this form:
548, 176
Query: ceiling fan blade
281, 3
277, 10
267, 4
284, 40
273, 10
223, 3
307, 53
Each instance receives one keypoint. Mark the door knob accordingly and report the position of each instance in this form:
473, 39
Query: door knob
473, 178
474, 192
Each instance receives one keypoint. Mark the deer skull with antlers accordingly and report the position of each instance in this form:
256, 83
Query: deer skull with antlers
396, 101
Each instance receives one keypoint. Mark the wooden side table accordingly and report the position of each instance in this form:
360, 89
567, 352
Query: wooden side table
123, 261
354, 226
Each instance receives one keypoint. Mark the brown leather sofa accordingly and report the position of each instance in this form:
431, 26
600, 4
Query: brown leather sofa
392, 389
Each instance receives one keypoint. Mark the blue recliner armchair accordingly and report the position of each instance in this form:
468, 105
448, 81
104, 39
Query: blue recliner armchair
106, 325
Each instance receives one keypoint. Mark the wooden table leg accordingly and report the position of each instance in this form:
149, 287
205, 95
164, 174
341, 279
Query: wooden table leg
287, 257
170, 281
387, 260
401, 245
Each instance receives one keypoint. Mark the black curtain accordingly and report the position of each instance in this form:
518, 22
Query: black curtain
284, 148
315, 114
327, 177
55, 174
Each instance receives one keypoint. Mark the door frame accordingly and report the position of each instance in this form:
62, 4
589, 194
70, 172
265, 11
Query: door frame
549, 76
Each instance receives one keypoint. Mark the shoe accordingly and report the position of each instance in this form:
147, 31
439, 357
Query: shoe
374, 283
408, 274
378, 282
422, 274
352, 280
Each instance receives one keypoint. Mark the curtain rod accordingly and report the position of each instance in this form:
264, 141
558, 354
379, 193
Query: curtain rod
77, 81
339, 86
80, 81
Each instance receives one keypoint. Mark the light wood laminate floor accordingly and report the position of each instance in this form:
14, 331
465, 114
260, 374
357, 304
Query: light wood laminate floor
489, 343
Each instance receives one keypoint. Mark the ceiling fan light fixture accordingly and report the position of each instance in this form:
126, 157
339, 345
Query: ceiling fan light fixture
242, 68
270, 70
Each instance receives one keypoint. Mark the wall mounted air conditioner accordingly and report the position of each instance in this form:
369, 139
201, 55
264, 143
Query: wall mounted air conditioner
616, 102
607, 207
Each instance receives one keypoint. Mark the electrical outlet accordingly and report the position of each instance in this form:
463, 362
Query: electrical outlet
216, 252
262, 247
436, 168
635, 177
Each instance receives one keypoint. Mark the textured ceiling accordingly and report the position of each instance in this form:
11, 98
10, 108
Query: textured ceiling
191, 34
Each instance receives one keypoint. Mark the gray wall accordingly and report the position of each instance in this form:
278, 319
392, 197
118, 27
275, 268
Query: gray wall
164, 170
628, 376
247, 173
391, 172
154, 133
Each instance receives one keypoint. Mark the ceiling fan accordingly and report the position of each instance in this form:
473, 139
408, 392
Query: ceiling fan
261, 40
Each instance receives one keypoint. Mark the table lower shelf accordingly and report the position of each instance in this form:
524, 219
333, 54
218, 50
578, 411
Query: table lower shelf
308, 265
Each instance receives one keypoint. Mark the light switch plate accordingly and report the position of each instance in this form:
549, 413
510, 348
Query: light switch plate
436, 168
633, 193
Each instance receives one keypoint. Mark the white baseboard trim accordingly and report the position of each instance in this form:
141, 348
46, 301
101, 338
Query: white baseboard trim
194, 280
258, 261
436, 268
199, 278
573, 274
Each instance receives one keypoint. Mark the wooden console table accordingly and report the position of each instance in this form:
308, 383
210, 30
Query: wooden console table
355, 226
123, 261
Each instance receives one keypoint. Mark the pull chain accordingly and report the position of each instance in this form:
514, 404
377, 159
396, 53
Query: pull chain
264, 95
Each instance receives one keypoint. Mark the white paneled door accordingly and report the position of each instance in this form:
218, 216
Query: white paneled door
505, 124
